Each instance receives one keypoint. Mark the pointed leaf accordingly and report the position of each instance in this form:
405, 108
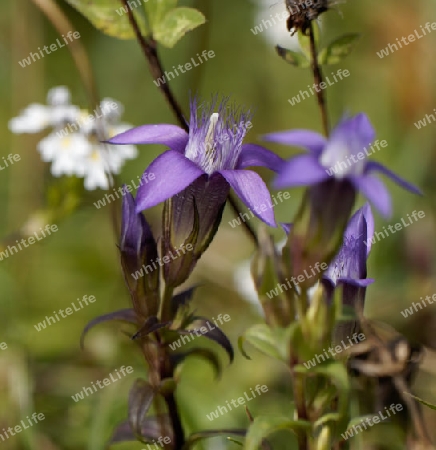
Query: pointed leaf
206, 434
182, 299
297, 59
230, 439
420, 400
264, 426
272, 342
204, 353
150, 325
212, 332
109, 16
241, 341
176, 24
140, 399
150, 430
123, 315
339, 49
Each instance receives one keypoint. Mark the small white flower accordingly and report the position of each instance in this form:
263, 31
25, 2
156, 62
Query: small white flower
73, 146
33, 119
37, 117
97, 169
64, 152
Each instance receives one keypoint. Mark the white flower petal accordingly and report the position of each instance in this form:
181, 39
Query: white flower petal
111, 109
59, 95
33, 119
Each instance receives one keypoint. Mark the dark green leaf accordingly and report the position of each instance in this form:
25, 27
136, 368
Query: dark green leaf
150, 325
150, 430
182, 299
140, 400
123, 315
211, 331
205, 353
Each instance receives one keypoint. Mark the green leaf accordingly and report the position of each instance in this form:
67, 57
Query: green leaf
272, 342
329, 417
337, 50
109, 17
241, 340
264, 426
420, 400
207, 434
295, 58
336, 372
176, 24
156, 10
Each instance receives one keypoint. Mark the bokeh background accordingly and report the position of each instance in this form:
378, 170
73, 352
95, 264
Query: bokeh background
39, 371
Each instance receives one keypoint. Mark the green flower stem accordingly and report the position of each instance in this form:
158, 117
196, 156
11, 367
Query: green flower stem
165, 306
317, 76
149, 48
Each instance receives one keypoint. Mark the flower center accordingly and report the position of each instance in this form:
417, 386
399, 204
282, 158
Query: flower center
340, 161
215, 138
209, 144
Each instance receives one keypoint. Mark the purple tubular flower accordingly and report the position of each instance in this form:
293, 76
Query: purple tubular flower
340, 157
138, 247
348, 268
136, 234
212, 149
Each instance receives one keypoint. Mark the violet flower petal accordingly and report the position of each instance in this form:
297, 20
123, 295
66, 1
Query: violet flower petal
172, 136
353, 282
367, 213
310, 140
373, 166
355, 133
301, 170
256, 155
173, 173
134, 228
287, 227
375, 191
251, 189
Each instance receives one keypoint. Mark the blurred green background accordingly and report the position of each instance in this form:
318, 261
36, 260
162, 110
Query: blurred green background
39, 371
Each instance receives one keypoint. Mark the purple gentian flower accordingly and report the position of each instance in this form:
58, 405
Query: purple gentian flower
136, 234
138, 247
350, 139
212, 151
348, 268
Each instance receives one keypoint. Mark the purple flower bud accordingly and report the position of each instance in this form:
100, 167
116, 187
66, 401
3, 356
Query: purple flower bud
348, 268
138, 250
